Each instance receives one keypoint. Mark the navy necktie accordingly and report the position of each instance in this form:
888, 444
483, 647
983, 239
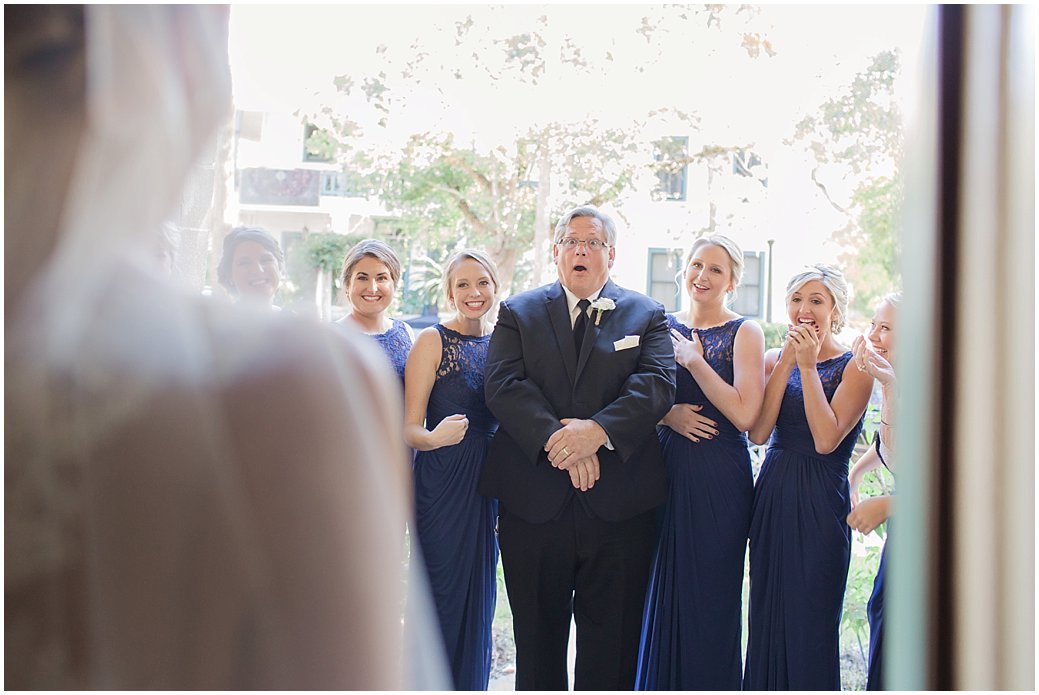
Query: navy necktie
581, 324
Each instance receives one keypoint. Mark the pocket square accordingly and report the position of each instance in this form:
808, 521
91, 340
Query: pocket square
626, 343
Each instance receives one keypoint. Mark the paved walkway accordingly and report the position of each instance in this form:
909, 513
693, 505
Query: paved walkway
508, 681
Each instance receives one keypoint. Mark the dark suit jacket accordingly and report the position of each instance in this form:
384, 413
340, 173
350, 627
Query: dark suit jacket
534, 378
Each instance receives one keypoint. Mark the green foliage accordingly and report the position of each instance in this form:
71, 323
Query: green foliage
321, 144
449, 194
872, 267
775, 334
854, 623
326, 251
861, 127
854, 133
303, 259
426, 284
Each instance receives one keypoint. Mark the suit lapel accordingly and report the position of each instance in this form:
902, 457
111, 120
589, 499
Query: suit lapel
559, 318
592, 331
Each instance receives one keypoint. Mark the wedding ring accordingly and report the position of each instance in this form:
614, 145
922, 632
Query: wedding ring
566, 451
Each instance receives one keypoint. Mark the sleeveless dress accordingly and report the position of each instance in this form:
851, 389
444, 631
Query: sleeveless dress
454, 524
395, 343
875, 610
800, 548
691, 624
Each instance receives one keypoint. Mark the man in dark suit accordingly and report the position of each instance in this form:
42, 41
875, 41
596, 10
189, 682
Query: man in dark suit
578, 373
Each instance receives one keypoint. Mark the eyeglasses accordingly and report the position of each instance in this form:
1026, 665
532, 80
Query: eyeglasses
571, 243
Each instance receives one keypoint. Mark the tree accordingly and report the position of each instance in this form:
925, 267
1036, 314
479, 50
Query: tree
853, 136
545, 127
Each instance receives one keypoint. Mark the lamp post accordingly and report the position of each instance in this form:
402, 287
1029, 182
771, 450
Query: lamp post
768, 289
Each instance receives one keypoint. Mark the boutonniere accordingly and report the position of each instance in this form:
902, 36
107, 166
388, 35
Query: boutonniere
600, 305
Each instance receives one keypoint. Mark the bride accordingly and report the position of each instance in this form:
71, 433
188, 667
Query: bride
195, 497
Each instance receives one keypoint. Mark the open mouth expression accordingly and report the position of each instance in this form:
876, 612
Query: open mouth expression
811, 305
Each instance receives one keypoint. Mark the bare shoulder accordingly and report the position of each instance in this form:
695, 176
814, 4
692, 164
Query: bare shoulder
750, 330
428, 341
856, 377
771, 358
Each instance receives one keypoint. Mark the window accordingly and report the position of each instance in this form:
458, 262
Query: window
342, 184
332, 183
750, 294
672, 154
661, 285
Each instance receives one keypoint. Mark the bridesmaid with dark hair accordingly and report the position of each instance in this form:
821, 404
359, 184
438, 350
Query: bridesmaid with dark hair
691, 627
800, 542
448, 423
369, 278
251, 265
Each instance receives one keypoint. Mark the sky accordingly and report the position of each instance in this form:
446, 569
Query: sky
284, 56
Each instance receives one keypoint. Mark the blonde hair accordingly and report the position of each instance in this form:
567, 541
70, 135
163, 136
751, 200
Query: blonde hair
836, 285
892, 298
480, 257
730, 247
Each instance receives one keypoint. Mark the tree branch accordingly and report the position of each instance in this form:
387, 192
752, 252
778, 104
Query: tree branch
826, 193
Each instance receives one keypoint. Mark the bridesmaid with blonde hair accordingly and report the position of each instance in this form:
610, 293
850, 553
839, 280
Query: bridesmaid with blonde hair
691, 628
448, 423
800, 543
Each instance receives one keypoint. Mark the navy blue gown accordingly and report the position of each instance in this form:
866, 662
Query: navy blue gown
800, 547
875, 611
691, 624
875, 615
396, 343
454, 524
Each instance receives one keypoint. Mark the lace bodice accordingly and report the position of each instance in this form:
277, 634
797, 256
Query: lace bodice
459, 383
792, 431
717, 343
396, 343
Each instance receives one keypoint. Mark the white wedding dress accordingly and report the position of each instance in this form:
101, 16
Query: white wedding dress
196, 496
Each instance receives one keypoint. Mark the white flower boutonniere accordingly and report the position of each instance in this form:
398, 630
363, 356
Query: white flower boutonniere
600, 305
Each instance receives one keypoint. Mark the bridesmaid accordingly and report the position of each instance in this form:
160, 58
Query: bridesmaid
448, 423
691, 626
800, 543
251, 265
370, 275
876, 359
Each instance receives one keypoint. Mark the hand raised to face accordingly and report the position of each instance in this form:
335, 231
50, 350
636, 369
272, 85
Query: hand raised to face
805, 344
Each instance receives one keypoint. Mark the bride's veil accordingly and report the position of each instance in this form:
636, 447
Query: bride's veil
195, 495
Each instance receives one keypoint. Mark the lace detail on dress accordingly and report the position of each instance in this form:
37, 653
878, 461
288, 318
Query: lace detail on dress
463, 354
831, 372
717, 342
396, 343
792, 430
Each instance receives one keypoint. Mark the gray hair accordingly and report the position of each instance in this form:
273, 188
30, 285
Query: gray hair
833, 280
587, 211
730, 247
